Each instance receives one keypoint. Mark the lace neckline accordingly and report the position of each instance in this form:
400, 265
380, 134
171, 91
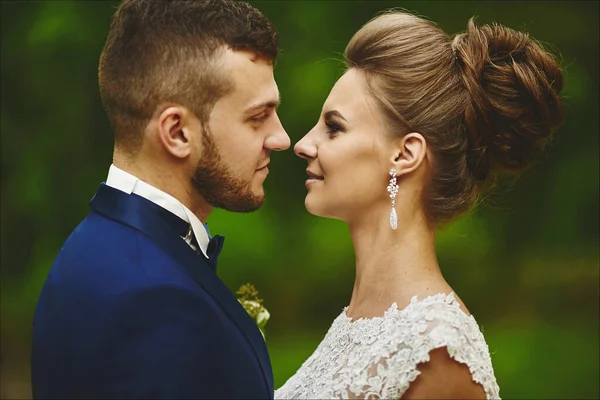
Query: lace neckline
448, 299
378, 357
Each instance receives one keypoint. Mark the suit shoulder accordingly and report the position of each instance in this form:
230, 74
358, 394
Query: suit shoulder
103, 250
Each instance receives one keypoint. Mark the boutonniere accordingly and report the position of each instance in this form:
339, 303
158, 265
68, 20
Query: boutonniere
248, 298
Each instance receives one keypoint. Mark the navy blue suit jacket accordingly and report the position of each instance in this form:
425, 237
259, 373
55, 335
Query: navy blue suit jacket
129, 310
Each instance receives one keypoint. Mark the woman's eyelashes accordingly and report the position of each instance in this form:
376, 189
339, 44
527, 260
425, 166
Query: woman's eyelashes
333, 127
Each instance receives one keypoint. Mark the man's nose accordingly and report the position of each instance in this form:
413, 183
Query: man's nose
278, 139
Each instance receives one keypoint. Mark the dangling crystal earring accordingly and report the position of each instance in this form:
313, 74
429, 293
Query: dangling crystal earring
393, 189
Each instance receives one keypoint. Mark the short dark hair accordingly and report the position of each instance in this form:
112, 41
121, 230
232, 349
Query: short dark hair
168, 51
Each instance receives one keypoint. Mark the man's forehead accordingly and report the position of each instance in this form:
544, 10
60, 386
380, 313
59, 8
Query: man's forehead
254, 85
251, 95
240, 61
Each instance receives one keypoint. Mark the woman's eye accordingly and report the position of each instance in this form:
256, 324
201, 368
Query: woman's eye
332, 128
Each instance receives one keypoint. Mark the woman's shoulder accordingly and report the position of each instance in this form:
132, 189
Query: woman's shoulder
431, 313
438, 321
421, 331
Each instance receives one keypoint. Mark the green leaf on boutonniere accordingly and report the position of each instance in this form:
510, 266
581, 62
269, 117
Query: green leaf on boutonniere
248, 298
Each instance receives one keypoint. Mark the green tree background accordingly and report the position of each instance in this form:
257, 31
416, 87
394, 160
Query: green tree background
527, 267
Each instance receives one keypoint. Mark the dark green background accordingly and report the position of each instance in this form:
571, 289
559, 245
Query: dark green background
526, 267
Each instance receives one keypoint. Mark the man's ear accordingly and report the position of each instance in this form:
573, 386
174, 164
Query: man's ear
410, 152
175, 126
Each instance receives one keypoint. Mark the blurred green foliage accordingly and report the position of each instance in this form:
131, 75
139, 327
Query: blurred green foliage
527, 266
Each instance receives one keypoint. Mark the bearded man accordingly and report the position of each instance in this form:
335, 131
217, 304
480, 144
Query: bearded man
132, 307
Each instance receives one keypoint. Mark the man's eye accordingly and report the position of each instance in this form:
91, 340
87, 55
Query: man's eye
260, 118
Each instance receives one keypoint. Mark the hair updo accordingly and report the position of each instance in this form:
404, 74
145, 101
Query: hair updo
484, 100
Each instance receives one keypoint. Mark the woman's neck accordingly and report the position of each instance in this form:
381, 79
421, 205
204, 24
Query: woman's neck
392, 266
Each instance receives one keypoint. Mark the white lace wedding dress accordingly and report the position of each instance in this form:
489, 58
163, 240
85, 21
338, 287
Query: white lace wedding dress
377, 358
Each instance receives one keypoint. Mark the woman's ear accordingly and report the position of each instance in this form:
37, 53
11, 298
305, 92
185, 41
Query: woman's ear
410, 153
175, 128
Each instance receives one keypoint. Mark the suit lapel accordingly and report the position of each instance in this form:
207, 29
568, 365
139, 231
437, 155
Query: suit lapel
134, 211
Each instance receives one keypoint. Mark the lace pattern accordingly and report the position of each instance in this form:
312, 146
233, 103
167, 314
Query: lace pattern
377, 358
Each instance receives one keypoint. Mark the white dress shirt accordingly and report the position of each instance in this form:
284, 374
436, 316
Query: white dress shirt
125, 182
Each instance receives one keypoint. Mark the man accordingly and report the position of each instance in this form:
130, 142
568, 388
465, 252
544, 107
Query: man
132, 306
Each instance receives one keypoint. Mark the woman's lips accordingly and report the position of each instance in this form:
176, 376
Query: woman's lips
312, 178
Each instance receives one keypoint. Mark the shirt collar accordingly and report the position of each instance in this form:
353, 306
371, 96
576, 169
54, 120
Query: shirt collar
128, 183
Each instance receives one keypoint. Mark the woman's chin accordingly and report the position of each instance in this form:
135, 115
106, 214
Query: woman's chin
317, 208
311, 207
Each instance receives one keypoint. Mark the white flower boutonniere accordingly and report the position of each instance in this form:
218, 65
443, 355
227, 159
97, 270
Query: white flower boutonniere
248, 298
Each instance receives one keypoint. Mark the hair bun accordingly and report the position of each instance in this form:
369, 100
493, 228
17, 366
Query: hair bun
514, 87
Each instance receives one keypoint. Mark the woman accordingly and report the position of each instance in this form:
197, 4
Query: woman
434, 120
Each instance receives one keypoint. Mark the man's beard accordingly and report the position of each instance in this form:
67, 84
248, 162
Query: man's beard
216, 184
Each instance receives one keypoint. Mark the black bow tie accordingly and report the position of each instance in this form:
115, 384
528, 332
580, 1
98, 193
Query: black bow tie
213, 250
183, 228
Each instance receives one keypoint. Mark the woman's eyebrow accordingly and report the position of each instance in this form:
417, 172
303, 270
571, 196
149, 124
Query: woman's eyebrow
334, 113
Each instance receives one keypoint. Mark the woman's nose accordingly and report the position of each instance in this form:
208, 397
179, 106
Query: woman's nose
306, 148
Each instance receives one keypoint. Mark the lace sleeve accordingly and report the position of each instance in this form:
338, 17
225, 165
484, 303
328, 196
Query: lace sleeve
427, 326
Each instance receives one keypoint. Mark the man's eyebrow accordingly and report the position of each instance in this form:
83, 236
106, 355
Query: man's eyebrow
267, 104
334, 113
